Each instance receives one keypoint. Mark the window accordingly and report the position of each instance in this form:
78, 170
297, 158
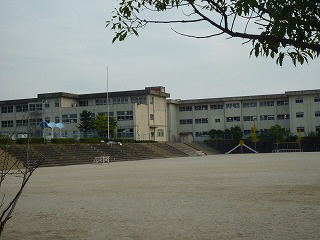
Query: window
233, 105
124, 115
282, 102
151, 116
56, 119
246, 132
69, 118
249, 104
266, 117
317, 114
217, 120
140, 100
317, 128
185, 109
186, 121
120, 100
46, 104
35, 107
233, 119
160, 133
250, 118
56, 103
111, 114
199, 134
83, 103
22, 108
152, 100
21, 123
7, 124
299, 115
216, 106
47, 119
101, 101
316, 99
300, 129
7, 109
201, 120
283, 116
35, 122
299, 100
201, 107
267, 104
125, 132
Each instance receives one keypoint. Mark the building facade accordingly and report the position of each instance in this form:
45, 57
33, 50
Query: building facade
191, 120
140, 114
148, 115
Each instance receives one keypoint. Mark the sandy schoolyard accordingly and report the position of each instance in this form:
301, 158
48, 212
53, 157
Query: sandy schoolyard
244, 196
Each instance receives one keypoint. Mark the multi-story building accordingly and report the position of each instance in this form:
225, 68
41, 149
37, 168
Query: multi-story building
140, 114
191, 120
148, 115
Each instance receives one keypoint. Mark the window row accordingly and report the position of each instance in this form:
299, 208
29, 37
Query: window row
234, 105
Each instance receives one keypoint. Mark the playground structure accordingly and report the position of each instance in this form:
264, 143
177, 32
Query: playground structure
287, 147
241, 145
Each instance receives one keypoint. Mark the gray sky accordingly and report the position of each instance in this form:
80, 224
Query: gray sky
63, 46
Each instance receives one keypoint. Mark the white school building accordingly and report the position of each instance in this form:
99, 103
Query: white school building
148, 114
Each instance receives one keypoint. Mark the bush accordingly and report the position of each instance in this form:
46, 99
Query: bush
125, 140
32, 141
5, 140
146, 141
63, 140
91, 140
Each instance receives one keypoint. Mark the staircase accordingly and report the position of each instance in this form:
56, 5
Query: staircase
201, 146
186, 149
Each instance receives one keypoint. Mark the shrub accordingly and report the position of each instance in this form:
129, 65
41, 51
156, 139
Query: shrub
5, 140
32, 141
91, 140
63, 140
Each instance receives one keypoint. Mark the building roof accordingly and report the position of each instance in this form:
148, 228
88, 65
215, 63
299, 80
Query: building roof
157, 91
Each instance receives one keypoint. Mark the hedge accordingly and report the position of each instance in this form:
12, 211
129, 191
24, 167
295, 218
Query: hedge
32, 141
63, 140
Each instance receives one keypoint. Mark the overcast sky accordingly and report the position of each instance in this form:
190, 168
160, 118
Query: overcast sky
63, 46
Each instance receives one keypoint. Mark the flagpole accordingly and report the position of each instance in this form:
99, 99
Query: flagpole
108, 102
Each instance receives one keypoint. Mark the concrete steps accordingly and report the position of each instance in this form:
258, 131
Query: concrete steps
201, 146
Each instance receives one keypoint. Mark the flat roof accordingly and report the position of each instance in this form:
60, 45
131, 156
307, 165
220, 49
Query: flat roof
157, 91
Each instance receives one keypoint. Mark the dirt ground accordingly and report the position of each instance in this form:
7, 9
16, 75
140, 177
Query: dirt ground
244, 196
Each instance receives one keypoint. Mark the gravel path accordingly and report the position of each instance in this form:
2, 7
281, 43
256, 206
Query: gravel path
248, 196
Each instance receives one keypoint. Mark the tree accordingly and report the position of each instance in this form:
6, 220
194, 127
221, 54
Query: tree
277, 134
11, 168
100, 124
275, 28
254, 137
85, 121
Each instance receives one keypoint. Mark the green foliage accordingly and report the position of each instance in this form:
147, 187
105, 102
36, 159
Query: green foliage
100, 125
31, 141
125, 140
5, 140
91, 140
85, 121
280, 28
234, 134
277, 134
63, 140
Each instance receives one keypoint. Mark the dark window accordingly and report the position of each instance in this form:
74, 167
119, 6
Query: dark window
216, 106
83, 103
299, 114
124, 115
201, 107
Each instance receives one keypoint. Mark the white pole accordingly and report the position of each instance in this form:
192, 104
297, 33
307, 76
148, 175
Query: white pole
108, 102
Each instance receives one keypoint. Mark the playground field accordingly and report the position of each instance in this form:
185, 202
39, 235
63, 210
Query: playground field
243, 196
